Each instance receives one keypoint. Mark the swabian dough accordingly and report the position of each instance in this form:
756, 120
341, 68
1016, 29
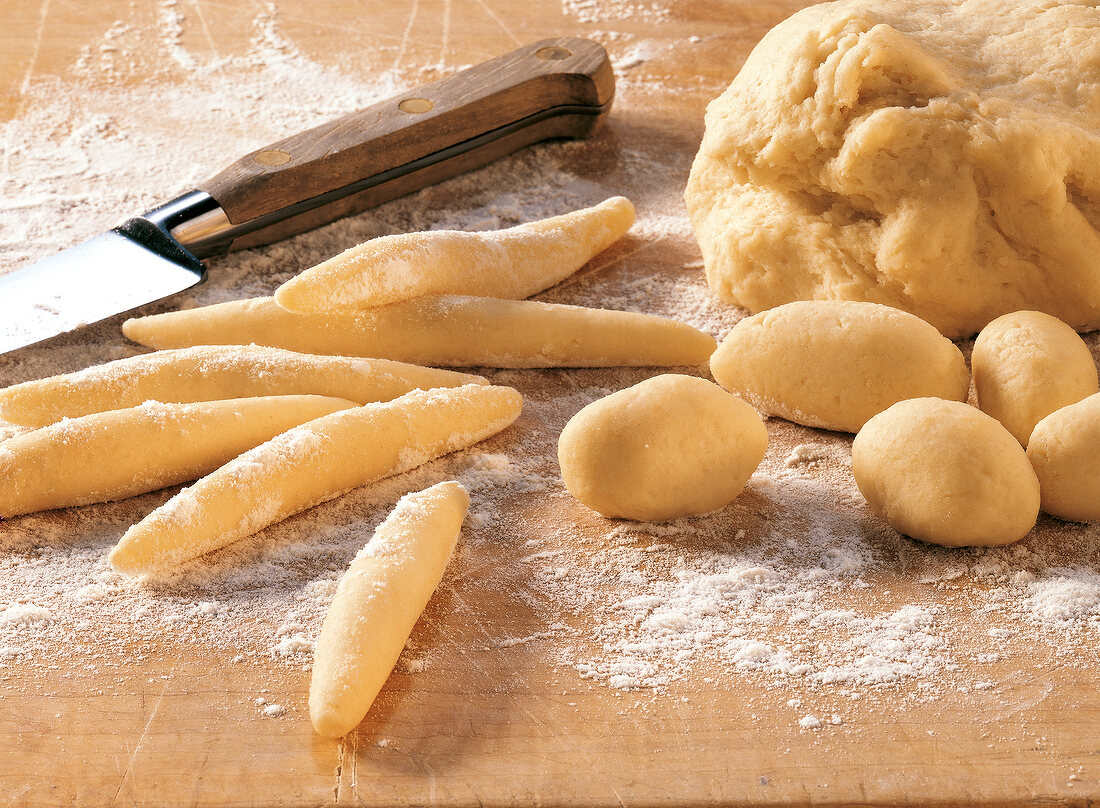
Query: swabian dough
941, 157
946, 473
513, 263
212, 372
377, 603
668, 447
117, 454
834, 363
1027, 365
311, 464
1065, 452
450, 330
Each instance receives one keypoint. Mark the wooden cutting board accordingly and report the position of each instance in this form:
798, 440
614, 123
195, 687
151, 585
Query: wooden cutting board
490, 723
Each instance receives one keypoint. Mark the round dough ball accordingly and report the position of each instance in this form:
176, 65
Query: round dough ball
1065, 452
833, 363
1027, 365
941, 157
946, 473
670, 446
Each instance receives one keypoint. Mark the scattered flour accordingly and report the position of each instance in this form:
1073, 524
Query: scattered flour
795, 584
23, 615
273, 711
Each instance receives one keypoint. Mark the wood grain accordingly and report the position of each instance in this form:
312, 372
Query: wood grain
173, 722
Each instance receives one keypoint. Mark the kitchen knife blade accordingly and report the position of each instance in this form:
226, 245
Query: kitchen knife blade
551, 89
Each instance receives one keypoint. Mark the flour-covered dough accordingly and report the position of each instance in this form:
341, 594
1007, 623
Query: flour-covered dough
311, 464
512, 263
212, 373
668, 447
941, 157
112, 455
452, 330
378, 602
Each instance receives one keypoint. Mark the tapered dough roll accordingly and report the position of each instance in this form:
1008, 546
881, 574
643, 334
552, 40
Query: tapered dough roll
311, 464
377, 603
448, 330
514, 263
212, 372
118, 454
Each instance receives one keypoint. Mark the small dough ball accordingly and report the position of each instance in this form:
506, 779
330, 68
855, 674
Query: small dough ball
941, 157
670, 446
833, 364
946, 473
1027, 365
1065, 452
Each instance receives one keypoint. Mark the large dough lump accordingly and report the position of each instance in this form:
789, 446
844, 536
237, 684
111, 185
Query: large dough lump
835, 363
941, 157
668, 447
946, 473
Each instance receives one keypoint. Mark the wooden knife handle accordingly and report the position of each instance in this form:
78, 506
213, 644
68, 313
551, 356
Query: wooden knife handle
553, 88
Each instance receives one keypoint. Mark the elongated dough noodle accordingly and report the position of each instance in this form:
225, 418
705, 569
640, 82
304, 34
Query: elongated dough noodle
451, 330
513, 263
117, 454
212, 372
377, 603
311, 464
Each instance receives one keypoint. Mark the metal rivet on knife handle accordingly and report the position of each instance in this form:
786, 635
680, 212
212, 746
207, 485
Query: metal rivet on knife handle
553, 54
415, 106
272, 157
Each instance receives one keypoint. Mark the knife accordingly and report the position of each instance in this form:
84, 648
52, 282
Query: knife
552, 89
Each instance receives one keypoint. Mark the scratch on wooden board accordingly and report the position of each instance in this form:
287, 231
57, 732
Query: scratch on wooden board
43, 13
617, 797
354, 780
581, 278
339, 770
446, 38
428, 772
24, 87
485, 671
1026, 702
403, 46
141, 740
197, 5
498, 21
